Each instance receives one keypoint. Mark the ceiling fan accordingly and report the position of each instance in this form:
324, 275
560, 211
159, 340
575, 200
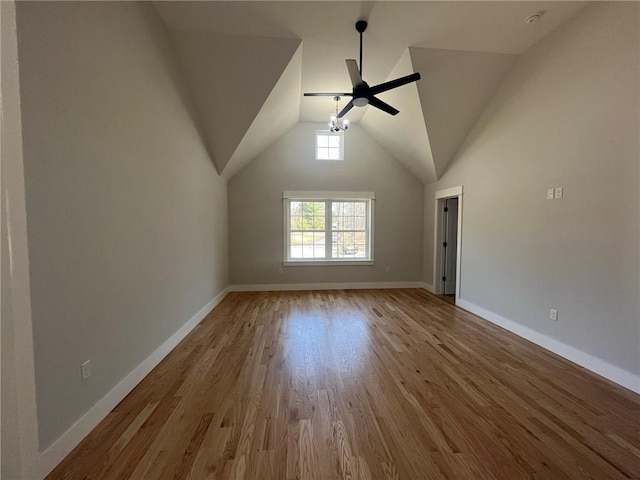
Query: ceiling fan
362, 93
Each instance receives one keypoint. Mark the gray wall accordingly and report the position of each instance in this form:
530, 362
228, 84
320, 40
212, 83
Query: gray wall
255, 209
16, 358
567, 115
10, 462
127, 217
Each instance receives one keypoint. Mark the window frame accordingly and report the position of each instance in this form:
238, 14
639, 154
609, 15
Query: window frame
328, 198
327, 133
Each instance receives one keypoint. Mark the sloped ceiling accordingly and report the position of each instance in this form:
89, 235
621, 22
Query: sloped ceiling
453, 93
404, 136
247, 64
279, 113
230, 80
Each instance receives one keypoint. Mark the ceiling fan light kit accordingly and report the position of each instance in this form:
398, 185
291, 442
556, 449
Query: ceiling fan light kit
336, 125
362, 94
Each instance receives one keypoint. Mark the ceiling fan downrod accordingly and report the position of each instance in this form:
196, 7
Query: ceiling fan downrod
361, 26
362, 94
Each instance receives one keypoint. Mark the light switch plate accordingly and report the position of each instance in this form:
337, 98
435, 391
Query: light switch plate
85, 370
550, 193
558, 192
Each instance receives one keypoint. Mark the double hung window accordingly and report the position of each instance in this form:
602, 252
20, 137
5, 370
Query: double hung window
328, 227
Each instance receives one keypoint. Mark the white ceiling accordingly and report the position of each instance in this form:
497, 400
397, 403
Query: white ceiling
327, 34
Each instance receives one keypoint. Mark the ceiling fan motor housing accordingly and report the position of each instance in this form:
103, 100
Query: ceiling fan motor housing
362, 93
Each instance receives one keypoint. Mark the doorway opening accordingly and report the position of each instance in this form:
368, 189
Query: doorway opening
448, 243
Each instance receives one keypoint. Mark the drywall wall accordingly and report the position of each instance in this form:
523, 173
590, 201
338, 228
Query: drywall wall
256, 213
10, 436
567, 115
126, 215
19, 437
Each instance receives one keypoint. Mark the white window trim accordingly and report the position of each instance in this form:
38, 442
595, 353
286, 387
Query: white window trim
330, 134
326, 195
289, 195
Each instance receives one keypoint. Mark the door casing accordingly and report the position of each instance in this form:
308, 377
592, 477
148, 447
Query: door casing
440, 196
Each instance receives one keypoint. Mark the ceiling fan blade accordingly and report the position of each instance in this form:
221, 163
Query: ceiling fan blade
398, 82
346, 108
328, 94
354, 73
385, 107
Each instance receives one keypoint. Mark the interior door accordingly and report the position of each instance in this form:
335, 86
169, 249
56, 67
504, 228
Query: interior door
450, 245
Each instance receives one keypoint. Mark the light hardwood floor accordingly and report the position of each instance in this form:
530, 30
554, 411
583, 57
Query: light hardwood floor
377, 384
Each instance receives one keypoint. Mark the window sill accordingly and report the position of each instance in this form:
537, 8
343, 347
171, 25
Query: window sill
325, 263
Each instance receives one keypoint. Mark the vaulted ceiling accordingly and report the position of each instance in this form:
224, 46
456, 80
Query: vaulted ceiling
248, 63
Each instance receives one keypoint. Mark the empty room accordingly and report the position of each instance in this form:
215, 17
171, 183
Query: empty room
320, 240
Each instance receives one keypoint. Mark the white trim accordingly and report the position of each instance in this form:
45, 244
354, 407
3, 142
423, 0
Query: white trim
53, 455
453, 192
428, 287
616, 374
327, 195
449, 192
327, 263
328, 199
279, 287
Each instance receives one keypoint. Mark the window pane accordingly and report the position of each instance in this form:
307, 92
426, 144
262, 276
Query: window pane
307, 245
296, 245
334, 153
318, 245
296, 222
312, 216
337, 222
360, 237
323, 152
323, 141
349, 224
344, 215
334, 141
348, 230
296, 208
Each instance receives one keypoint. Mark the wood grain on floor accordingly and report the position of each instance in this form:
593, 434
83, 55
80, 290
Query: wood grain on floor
376, 384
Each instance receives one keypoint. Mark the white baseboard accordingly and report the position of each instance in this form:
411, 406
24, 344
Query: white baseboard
53, 455
279, 287
428, 287
615, 374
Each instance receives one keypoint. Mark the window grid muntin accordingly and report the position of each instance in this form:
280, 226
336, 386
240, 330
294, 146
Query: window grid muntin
350, 241
364, 247
310, 234
329, 145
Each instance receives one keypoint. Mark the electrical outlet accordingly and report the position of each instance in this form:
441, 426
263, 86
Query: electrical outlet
553, 314
85, 370
558, 192
550, 193
388, 269
280, 270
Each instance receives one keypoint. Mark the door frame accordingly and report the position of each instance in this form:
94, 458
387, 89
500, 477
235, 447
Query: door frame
440, 196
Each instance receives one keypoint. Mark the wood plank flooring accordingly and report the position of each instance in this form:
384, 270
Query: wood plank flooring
376, 384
